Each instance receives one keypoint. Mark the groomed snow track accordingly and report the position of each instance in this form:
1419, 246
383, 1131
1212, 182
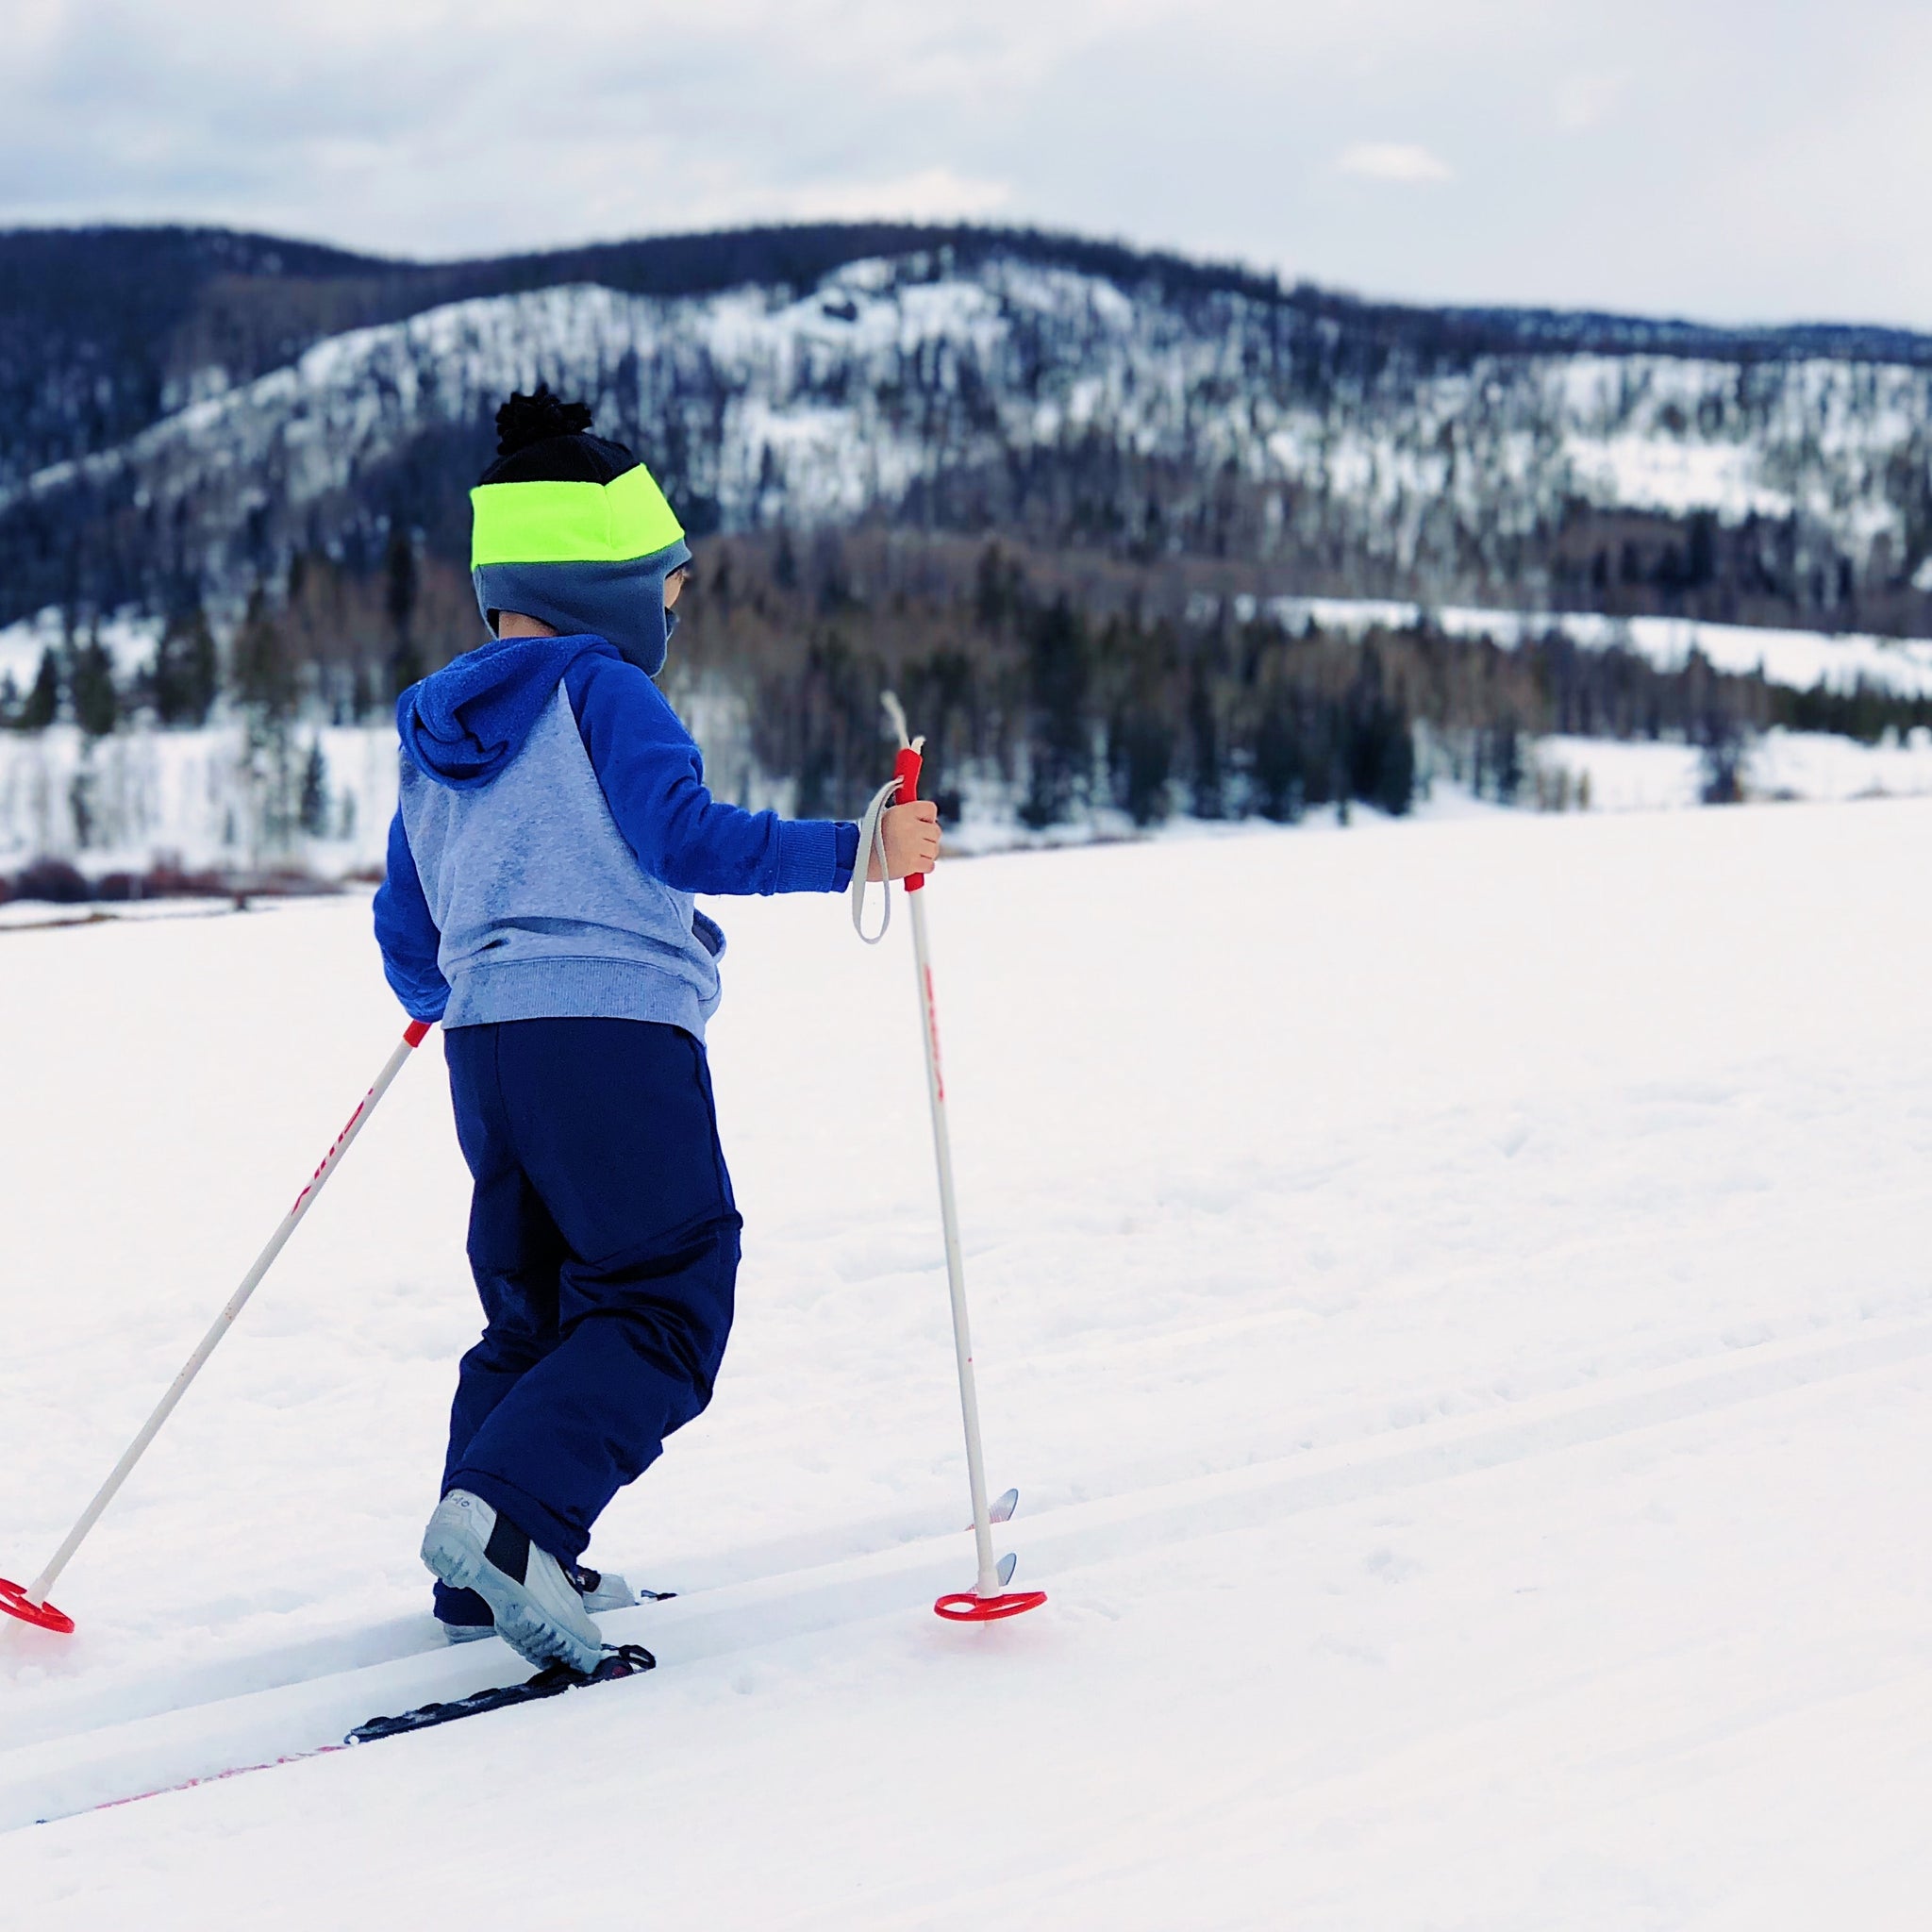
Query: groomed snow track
72, 1756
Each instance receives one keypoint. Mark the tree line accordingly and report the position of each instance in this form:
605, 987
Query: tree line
1062, 686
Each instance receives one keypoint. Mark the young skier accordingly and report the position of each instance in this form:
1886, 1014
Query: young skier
553, 828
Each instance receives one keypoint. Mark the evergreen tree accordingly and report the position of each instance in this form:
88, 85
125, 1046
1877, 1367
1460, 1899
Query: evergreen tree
994, 588
1209, 798
1506, 761
1060, 748
44, 701
9, 700
96, 703
186, 675
1141, 750
313, 811
1139, 662
1281, 761
1724, 760
399, 594
264, 665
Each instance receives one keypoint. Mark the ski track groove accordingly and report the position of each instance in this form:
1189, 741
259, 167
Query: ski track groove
58, 1775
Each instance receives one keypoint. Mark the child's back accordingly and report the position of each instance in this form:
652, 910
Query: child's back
553, 830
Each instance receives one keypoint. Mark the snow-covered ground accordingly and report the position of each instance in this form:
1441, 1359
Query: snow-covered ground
1454, 1298
131, 640
1804, 660
1611, 775
199, 798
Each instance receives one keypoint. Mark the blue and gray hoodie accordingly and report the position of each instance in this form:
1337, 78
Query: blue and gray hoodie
553, 830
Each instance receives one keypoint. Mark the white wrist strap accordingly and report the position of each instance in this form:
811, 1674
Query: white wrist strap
872, 840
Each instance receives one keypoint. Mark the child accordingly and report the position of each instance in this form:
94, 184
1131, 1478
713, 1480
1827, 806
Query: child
553, 828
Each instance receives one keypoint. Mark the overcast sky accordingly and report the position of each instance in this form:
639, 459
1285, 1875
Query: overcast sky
1731, 159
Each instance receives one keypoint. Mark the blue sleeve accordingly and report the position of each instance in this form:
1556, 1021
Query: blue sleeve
408, 934
654, 783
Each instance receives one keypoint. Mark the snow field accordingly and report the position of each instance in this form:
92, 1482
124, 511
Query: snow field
1453, 1298
1801, 658
1611, 775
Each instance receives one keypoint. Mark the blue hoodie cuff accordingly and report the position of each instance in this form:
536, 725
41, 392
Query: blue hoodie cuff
808, 855
847, 855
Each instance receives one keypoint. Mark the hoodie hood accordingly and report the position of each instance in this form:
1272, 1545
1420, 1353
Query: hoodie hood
462, 724
619, 599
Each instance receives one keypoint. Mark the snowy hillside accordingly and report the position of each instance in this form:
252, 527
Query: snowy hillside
1064, 405
1454, 1300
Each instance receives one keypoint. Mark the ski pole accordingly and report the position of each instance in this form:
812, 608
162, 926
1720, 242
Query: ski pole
31, 1604
984, 1603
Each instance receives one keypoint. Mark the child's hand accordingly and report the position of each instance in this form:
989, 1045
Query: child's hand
912, 840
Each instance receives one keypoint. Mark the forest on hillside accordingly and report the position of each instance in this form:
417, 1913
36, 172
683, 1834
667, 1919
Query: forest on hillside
1060, 686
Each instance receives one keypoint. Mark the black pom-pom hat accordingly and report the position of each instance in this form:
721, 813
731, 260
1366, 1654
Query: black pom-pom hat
571, 529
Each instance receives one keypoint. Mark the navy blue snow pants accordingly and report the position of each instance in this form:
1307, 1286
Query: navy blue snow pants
604, 1239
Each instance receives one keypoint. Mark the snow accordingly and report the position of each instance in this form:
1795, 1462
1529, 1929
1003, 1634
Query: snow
130, 641
210, 800
1606, 775
200, 798
811, 407
1451, 1295
1816, 765
1802, 659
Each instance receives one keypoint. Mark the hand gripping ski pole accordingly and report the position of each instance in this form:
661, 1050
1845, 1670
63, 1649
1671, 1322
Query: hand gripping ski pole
984, 1603
31, 1604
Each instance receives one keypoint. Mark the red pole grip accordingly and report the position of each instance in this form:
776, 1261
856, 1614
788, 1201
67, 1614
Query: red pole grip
905, 769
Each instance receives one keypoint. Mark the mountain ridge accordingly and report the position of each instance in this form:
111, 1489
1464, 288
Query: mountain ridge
138, 312
1075, 396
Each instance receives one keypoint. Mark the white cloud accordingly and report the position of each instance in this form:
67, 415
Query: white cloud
1392, 160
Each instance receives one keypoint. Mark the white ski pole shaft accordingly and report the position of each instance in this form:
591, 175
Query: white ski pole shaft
988, 1584
413, 1037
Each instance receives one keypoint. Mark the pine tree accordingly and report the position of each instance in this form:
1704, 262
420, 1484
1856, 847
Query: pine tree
312, 812
1209, 791
400, 586
44, 701
1506, 761
96, 703
1140, 749
264, 666
1281, 761
186, 675
1059, 749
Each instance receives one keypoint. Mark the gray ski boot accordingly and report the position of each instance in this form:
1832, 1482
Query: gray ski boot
601, 1590
537, 1609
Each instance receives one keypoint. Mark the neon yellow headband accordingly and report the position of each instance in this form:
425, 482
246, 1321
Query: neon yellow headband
572, 522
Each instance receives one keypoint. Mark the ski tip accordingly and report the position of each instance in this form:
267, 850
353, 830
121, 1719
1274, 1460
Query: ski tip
1008, 1563
1001, 1511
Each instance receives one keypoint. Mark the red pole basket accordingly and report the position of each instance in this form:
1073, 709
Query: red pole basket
962, 1606
16, 1603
